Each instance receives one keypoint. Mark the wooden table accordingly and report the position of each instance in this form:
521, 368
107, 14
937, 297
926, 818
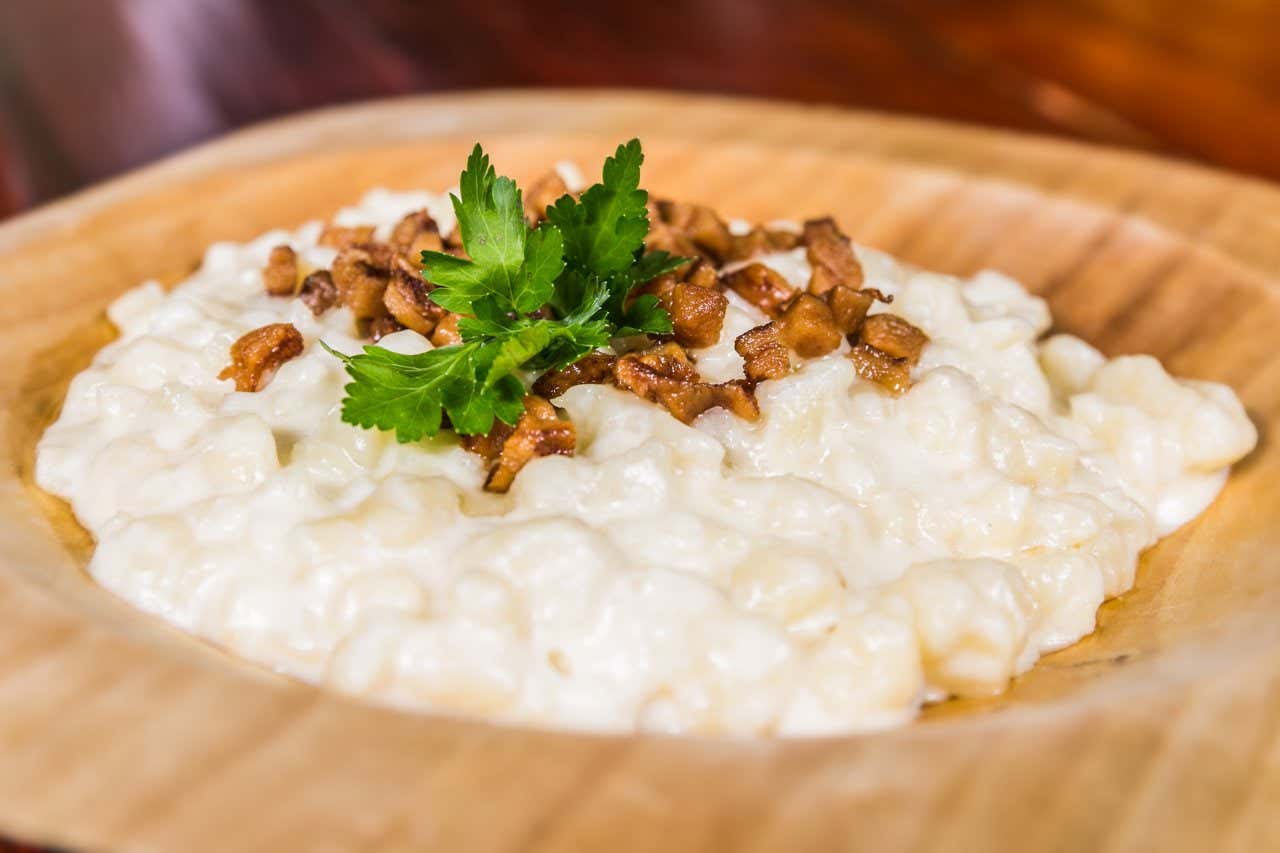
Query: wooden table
91, 87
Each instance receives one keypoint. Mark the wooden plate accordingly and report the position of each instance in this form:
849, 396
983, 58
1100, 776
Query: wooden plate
1159, 731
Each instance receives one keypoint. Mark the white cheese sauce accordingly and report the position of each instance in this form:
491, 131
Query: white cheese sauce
826, 569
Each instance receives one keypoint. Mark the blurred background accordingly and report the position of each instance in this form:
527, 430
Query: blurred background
89, 88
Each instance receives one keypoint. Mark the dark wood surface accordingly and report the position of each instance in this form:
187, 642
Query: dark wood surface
89, 88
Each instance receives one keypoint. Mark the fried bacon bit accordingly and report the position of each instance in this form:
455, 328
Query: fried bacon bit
697, 313
539, 432
831, 257
337, 237
763, 355
702, 274
762, 286
407, 300
760, 240
893, 336
692, 400
892, 374
701, 225
594, 369
280, 278
361, 281
849, 306
662, 237
414, 234
257, 355
382, 326
446, 331
664, 374
808, 326
542, 193
318, 292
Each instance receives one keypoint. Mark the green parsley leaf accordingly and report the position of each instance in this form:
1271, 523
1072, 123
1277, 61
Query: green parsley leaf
606, 227
582, 263
491, 219
411, 393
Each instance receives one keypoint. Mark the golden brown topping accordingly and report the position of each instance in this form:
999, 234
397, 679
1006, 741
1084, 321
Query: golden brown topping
662, 363
894, 336
892, 374
831, 257
850, 306
808, 327
280, 278
414, 234
539, 432
361, 282
662, 237
593, 369
689, 401
664, 374
763, 355
701, 273
318, 292
257, 355
541, 193
763, 287
337, 237
407, 300
382, 326
761, 240
697, 314
446, 331
700, 225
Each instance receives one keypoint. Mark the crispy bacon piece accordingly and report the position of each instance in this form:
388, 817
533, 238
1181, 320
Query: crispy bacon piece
702, 274
407, 300
831, 257
594, 369
692, 400
763, 355
761, 240
338, 237
280, 277
762, 286
541, 193
849, 306
700, 225
446, 330
667, 362
382, 326
808, 326
893, 336
361, 281
664, 374
892, 374
414, 234
257, 355
318, 292
697, 314
662, 237
539, 432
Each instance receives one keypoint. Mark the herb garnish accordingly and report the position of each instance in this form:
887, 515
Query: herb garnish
582, 262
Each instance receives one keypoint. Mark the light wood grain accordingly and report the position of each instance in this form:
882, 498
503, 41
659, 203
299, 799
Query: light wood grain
1158, 732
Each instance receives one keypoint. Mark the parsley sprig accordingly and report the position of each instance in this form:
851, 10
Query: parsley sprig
583, 261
